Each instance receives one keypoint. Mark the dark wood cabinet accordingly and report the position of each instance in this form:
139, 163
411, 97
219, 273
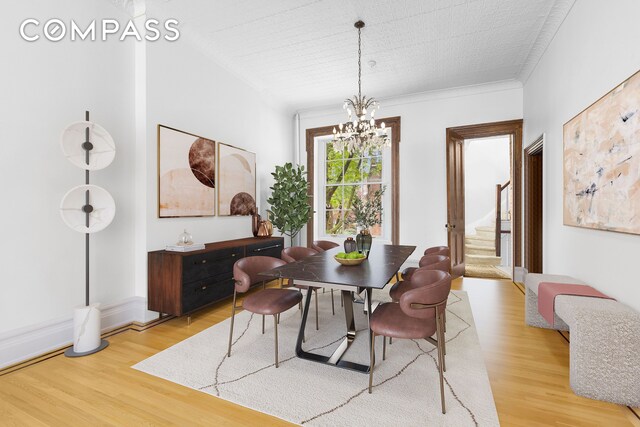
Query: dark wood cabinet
182, 282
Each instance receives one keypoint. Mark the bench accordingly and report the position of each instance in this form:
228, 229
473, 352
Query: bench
604, 350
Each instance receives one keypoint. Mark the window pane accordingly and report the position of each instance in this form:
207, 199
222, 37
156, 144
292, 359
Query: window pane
333, 154
334, 171
349, 226
349, 193
352, 174
333, 197
333, 223
372, 169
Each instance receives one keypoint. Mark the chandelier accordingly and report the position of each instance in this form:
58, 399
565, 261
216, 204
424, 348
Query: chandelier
359, 133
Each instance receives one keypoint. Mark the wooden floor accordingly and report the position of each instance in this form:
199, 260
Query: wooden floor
528, 369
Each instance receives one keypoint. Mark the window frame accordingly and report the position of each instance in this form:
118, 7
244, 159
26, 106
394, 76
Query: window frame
392, 122
385, 180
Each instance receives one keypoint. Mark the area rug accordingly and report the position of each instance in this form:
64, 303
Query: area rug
485, 272
406, 386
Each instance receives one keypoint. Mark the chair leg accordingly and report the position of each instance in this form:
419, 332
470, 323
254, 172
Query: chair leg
233, 315
397, 276
373, 360
390, 340
442, 341
440, 360
317, 327
333, 307
384, 348
275, 324
263, 324
341, 300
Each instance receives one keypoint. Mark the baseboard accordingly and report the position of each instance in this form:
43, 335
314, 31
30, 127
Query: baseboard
32, 341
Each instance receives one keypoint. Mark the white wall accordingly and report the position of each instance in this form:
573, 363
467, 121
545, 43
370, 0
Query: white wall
188, 91
486, 163
425, 118
45, 87
129, 87
595, 49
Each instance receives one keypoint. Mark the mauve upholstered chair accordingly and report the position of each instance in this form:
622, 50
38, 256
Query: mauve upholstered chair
427, 262
272, 301
419, 315
296, 253
436, 250
323, 245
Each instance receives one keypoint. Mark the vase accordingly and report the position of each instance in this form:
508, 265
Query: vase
255, 224
350, 245
363, 242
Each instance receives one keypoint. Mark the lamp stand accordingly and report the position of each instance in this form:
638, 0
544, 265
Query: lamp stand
86, 320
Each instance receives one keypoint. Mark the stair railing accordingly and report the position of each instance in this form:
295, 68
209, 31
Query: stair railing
499, 189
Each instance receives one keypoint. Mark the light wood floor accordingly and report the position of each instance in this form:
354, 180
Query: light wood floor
528, 369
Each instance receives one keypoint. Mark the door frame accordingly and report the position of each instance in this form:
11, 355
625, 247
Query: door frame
534, 149
484, 130
390, 122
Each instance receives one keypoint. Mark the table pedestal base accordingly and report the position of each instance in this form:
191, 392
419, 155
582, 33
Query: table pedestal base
336, 358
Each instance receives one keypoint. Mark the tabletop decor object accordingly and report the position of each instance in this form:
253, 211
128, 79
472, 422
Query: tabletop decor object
350, 258
366, 213
290, 209
350, 245
87, 209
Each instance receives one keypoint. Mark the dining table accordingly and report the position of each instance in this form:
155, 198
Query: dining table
323, 271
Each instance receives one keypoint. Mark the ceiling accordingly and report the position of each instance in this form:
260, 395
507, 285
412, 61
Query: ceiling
304, 52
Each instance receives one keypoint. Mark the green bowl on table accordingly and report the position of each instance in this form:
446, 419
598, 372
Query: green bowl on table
352, 258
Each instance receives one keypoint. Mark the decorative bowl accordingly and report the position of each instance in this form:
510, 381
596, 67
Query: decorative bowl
344, 261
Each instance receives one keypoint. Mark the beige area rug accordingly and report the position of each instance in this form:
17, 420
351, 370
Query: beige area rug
406, 386
485, 272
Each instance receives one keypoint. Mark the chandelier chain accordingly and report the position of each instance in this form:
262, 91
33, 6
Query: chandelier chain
359, 64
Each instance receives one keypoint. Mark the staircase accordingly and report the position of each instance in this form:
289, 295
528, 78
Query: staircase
480, 248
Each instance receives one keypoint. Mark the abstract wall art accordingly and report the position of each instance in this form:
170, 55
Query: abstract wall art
602, 162
237, 181
186, 169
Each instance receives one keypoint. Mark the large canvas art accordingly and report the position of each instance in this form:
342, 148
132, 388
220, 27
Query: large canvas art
602, 162
237, 181
186, 168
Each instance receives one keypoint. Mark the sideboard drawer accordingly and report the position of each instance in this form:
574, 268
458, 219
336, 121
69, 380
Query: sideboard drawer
268, 248
201, 266
204, 292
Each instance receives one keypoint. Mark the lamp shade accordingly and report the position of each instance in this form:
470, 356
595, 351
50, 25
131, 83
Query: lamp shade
100, 155
103, 208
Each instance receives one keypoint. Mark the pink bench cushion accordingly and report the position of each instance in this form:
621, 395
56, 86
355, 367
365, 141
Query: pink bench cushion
547, 292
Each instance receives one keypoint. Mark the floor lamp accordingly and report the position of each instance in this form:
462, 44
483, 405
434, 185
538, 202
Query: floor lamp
87, 209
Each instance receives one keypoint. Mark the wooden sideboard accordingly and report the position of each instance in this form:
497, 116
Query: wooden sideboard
179, 283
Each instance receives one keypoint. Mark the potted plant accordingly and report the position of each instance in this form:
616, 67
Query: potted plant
290, 209
365, 213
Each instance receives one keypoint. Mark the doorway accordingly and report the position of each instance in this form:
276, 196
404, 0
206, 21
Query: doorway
456, 225
533, 207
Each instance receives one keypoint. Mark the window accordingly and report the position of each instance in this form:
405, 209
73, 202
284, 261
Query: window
342, 178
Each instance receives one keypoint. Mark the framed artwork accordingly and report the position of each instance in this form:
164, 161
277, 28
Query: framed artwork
602, 162
186, 174
236, 181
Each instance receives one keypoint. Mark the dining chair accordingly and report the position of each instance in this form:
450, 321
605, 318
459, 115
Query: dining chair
296, 253
323, 245
272, 301
435, 250
419, 315
427, 262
